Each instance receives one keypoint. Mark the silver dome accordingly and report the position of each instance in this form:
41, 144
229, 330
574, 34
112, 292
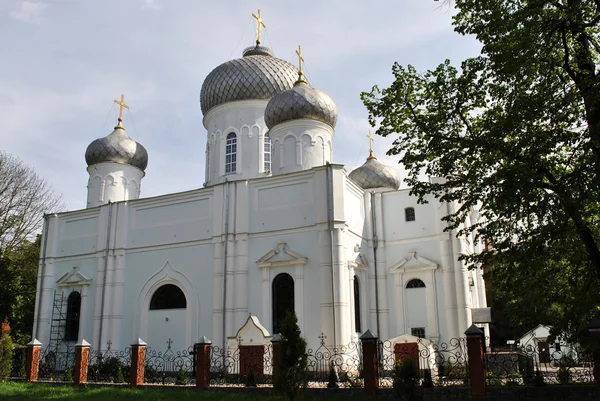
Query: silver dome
119, 148
257, 75
302, 101
374, 174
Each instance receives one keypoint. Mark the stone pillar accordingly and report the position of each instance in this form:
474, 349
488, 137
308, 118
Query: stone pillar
138, 356
34, 349
82, 353
476, 365
202, 348
370, 372
594, 330
275, 362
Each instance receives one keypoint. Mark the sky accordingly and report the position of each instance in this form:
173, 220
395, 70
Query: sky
63, 62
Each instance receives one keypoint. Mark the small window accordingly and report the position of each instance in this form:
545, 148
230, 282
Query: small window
283, 299
73, 311
415, 283
168, 296
267, 153
418, 332
409, 214
357, 327
231, 153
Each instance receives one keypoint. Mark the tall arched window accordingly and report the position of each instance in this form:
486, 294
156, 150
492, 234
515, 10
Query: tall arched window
283, 299
231, 153
73, 311
169, 296
357, 305
267, 153
415, 283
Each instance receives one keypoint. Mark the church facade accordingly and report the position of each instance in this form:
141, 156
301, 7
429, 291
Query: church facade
277, 226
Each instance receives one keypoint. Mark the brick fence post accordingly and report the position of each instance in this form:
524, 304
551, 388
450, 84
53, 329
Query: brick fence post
82, 353
476, 364
594, 330
202, 349
276, 340
370, 361
34, 349
138, 357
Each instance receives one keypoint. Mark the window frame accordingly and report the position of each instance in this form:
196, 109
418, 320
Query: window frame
416, 331
73, 316
231, 153
289, 295
409, 214
357, 320
158, 293
267, 149
415, 283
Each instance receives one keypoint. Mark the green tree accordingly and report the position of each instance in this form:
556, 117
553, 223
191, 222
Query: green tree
292, 361
514, 133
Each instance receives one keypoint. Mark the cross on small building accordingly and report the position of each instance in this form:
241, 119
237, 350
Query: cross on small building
322, 337
109, 343
169, 342
259, 24
370, 146
122, 106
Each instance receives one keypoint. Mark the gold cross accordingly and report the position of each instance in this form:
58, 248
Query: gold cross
259, 24
300, 60
370, 146
122, 106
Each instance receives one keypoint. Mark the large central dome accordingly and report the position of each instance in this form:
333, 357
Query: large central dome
257, 75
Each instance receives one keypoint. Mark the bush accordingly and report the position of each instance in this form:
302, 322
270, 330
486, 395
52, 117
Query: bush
6, 350
108, 369
181, 380
492, 379
538, 379
292, 361
564, 373
69, 374
406, 380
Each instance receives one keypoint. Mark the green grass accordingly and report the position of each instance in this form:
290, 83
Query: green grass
12, 391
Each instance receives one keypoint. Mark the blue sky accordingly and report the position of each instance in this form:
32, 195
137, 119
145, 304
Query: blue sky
64, 61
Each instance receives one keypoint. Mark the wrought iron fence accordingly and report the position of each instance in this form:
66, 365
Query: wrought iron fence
336, 366
244, 365
434, 364
538, 363
19, 361
57, 364
109, 366
170, 367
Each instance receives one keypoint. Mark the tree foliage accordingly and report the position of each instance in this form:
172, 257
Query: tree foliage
514, 133
6, 349
24, 199
292, 361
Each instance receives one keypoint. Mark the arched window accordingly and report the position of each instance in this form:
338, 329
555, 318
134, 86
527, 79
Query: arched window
231, 153
357, 305
267, 153
283, 299
415, 283
73, 311
409, 214
169, 296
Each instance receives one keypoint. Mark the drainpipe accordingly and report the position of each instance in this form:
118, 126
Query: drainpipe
108, 228
41, 283
374, 229
330, 223
225, 265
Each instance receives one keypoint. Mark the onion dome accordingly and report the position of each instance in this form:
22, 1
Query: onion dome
117, 147
301, 102
374, 174
257, 75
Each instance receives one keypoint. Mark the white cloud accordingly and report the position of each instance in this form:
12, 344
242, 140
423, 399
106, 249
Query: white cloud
29, 12
152, 4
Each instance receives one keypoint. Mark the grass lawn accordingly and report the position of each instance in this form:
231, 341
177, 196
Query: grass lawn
21, 391
12, 391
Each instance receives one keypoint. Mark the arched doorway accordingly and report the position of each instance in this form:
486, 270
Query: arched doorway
283, 299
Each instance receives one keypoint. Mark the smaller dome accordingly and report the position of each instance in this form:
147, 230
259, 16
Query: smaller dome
117, 147
301, 102
374, 174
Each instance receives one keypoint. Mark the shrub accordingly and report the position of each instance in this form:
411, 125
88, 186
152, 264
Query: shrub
538, 379
292, 361
564, 373
69, 374
6, 350
406, 380
181, 380
492, 379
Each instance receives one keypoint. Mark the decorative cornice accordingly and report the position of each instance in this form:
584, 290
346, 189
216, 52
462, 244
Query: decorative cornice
420, 264
280, 257
73, 278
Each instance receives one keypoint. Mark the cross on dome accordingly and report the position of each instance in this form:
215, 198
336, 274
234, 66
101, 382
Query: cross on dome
122, 106
259, 24
370, 146
300, 60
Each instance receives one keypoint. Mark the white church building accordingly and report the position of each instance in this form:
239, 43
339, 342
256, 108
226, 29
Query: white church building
277, 226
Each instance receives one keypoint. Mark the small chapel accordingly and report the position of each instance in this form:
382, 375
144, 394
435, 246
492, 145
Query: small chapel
277, 226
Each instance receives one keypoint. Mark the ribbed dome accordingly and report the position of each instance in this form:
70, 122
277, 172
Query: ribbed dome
374, 174
257, 75
302, 101
119, 148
